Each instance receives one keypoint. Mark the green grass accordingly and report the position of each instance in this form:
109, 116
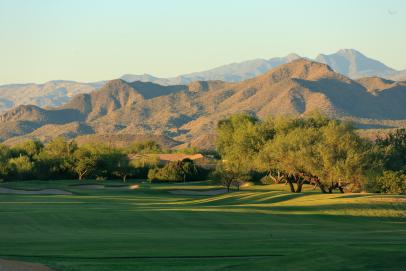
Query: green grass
258, 228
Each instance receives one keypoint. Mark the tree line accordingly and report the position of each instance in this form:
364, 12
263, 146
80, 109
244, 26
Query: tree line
316, 150
64, 159
325, 153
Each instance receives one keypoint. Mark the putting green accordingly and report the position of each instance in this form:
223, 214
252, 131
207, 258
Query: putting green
149, 228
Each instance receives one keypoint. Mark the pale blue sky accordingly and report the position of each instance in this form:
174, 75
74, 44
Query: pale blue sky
90, 40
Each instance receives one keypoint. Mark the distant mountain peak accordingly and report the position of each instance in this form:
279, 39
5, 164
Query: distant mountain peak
349, 52
292, 56
116, 83
301, 68
354, 64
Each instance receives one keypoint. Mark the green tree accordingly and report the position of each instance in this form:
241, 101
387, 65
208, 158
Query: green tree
343, 158
56, 159
142, 165
123, 168
148, 146
175, 171
5, 155
390, 182
187, 168
394, 150
84, 162
30, 148
231, 173
292, 153
240, 138
20, 168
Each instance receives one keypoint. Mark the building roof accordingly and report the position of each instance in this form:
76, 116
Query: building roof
169, 157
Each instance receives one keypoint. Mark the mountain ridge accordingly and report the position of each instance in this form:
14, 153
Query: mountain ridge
59, 92
189, 113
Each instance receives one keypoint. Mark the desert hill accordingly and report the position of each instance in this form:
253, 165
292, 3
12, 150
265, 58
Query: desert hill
189, 113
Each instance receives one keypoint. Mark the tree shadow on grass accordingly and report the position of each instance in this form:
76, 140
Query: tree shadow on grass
380, 210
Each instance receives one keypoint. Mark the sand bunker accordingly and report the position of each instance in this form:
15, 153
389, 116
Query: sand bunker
6, 265
134, 186
112, 187
33, 192
199, 193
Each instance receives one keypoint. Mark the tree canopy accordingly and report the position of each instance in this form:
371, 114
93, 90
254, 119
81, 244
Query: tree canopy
314, 149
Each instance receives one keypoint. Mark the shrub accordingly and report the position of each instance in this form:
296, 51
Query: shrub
266, 180
20, 168
389, 182
184, 170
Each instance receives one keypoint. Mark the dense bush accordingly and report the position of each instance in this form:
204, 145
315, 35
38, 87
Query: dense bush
177, 171
20, 168
62, 159
143, 165
266, 180
390, 182
148, 146
393, 149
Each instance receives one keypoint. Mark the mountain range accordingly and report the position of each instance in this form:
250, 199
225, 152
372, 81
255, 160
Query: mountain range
186, 114
348, 62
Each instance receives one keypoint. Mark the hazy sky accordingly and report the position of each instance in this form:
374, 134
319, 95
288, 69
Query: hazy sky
90, 40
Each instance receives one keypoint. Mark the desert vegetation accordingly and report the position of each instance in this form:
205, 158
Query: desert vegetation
64, 159
326, 153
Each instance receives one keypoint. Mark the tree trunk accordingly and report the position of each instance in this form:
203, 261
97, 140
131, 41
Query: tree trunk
296, 178
292, 188
228, 185
125, 178
299, 185
322, 187
340, 187
331, 188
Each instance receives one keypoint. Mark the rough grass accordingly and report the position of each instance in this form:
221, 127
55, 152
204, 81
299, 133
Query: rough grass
258, 228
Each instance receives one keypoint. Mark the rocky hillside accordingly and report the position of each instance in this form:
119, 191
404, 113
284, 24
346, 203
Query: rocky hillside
188, 113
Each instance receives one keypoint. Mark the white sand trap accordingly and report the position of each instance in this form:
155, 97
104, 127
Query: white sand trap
34, 192
199, 193
6, 265
134, 186
99, 186
246, 184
